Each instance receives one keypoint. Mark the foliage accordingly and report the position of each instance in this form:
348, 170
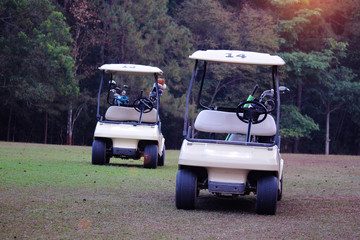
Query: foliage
302, 67
256, 30
215, 29
53, 63
227, 27
294, 125
39, 61
293, 30
142, 32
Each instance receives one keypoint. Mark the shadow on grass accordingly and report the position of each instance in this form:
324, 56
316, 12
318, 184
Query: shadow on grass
225, 204
129, 165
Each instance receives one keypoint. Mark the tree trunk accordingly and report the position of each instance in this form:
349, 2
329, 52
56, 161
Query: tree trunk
46, 127
65, 4
69, 125
299, 96
9, 125
298, 104
14, 129
296, 145
327, 138
102, 53
122, 47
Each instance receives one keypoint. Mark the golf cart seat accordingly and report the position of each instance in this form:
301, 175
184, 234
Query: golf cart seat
119, 113
213, 121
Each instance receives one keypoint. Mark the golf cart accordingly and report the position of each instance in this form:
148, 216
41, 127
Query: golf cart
131, 126
232, 150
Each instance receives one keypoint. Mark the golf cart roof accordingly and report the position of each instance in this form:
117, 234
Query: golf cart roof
130, 69
237, 57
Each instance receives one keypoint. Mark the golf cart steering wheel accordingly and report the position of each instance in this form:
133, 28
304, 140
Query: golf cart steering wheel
143, 104
252, 112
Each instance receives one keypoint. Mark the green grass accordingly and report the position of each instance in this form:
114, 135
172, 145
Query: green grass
53, 192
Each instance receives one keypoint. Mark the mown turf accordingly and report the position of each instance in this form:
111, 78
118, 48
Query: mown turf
53, 192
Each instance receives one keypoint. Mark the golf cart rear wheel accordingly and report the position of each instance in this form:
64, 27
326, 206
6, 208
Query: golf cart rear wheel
161, 161
267, 194
186, 189
99, 152
151, 156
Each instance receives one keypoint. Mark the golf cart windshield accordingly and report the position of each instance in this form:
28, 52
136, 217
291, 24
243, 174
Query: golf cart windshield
240, 98
132, 95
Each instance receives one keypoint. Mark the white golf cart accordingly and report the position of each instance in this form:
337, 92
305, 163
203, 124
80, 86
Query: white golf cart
232, 150
131, 126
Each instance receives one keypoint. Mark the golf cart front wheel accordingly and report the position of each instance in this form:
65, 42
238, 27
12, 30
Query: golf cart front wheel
267, 195
186, 189
151, 156
99, 152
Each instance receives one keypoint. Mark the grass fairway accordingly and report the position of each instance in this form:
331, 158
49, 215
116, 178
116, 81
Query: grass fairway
53, 192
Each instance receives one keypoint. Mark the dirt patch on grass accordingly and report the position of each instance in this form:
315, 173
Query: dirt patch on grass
322, 160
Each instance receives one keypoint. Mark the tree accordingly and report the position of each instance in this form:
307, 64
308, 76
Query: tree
301, 69
294, 125
217, 26
43, 54
336, 86
164, 33
141, 32
84, 20
351, 34
304, 27
302, 30
51, 65
16, 24
210, 24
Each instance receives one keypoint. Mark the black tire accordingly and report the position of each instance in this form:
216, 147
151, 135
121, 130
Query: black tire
151, 156
161, 161
186, 188
98, 152
267, 194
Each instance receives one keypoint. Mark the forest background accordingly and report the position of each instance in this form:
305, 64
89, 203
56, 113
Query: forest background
50, 51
